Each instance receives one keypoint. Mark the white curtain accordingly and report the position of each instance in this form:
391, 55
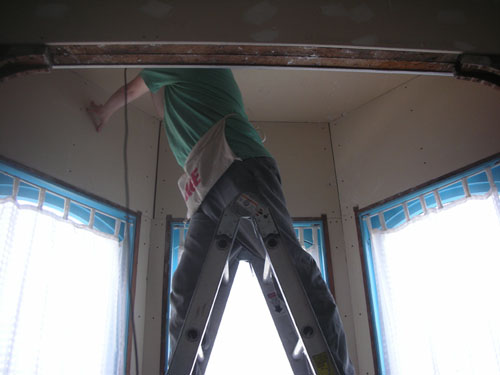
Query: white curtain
63, 295
438, 280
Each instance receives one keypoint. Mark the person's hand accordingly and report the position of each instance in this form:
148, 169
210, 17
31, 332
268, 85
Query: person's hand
98, 115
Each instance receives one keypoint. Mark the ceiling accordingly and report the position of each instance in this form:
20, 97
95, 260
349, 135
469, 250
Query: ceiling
283, 95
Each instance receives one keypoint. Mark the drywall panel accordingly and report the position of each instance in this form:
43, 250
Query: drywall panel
304, 155
303, 152
427, 24
420, 131
44, 125
317, 95
153, 321
292, 95
168, 202
417, 132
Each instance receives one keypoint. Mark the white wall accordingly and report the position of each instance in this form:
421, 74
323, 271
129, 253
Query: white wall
303, 152
422, 130
426, 24
43, 124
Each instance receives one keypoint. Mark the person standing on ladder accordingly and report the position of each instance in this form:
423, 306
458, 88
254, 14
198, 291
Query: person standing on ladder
222, 156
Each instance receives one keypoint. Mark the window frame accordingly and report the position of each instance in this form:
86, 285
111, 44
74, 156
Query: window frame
170, 221
108, 208
364, 240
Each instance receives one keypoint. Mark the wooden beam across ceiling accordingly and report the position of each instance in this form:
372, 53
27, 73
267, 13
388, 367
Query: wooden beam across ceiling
22, 59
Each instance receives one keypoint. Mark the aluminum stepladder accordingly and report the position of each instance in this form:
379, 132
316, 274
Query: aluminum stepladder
278, 264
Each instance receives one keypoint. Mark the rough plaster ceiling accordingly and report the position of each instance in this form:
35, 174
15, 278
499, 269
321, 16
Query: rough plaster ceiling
283, 95
469, 26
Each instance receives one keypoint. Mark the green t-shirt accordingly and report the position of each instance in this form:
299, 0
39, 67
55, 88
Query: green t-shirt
196, 99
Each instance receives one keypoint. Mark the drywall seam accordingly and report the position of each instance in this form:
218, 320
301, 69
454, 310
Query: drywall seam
353, 344
345, 114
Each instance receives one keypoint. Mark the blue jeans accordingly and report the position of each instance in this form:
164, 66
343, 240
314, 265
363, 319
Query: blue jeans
258, 176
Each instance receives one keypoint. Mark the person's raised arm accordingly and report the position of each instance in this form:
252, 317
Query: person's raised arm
100, 113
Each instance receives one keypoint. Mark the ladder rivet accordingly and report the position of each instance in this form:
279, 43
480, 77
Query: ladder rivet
307, 331
192, 335
272, 242
222, 244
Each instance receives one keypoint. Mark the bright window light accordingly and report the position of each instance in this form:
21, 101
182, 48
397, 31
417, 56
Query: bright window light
438, 281
58, 293
65, 267
247, 342
433, 271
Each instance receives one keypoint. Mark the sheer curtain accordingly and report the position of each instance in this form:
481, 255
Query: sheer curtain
438, 279
63, 295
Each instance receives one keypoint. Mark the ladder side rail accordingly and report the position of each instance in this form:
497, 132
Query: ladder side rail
282, 321
296, 300
204, 296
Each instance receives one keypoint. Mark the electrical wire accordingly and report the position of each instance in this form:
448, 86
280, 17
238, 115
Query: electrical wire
156, 173
127, 204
